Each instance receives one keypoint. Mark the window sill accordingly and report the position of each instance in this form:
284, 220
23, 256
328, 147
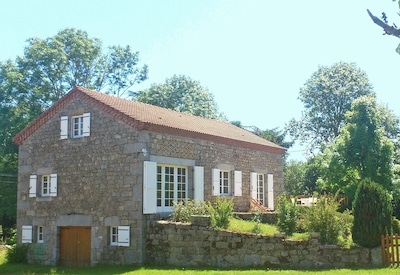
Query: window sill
39, 199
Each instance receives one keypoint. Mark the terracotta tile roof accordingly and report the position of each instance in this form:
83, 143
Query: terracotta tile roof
156, 119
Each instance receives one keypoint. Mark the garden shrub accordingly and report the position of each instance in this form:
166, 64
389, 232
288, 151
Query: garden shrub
186, 208
324, 218
220, 212
17, 254
395, 226
287, 214
372, 212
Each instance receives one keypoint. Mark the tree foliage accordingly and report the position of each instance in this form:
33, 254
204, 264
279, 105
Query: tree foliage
182, 94
300, 178
361, 151
327, 96
372, 214
48, 69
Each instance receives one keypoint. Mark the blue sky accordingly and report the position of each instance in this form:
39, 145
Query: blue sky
253, 55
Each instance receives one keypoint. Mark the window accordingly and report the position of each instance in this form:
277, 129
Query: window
260, 188
47, 187
80, 126
40, 234
77, 126
164, 183
224, 185
119, 235
171, 186
114, 235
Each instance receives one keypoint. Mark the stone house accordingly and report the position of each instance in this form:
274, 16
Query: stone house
94, 168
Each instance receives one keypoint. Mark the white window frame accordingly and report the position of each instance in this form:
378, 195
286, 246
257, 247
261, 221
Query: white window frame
261, 189
77, 121
120, 235
225, 188
80, 125
45, 185
114, 235
165, 197
40, 234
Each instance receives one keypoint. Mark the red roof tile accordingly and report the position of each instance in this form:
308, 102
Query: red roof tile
156, 119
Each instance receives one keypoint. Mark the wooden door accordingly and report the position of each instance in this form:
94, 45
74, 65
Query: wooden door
75, 246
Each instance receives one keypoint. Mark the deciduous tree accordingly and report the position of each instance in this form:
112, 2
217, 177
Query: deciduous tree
182, 94
327, 96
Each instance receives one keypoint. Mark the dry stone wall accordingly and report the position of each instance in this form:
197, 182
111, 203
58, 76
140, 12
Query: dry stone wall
180, 244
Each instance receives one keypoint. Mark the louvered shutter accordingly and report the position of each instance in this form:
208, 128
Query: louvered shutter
238, 183
270, 191
64, 127
149, 187
198, 183
27, 234
32, 185
253, 185
86, 124
123, 235
215, 182
53, 185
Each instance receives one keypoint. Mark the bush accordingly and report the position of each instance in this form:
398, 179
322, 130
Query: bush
372, 212
324, 218
17, 254
287, 214
184, 209
395, 226
220, 212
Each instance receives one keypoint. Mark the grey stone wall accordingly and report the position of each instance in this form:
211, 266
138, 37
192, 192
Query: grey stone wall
100, 180
167, 243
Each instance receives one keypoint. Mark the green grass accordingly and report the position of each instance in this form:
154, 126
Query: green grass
239, 225
24, 269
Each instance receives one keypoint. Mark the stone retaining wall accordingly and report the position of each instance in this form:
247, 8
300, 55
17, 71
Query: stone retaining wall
180, 244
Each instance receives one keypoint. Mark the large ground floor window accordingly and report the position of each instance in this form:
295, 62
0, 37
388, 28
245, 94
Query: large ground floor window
172, 185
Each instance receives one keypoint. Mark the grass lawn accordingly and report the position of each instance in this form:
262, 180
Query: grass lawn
25, 269
239, 225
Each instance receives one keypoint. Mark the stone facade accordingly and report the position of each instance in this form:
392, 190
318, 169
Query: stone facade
100, 180
167, 244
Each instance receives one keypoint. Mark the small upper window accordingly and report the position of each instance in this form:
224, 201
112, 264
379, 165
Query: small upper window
77, 126
46, 182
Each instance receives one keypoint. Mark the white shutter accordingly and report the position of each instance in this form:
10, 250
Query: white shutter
238, 183
123, 235
86, 124
270, 191
198, 183
149, 187
253, 185
53, 185
64, 127
32, 185
215, 182
27, 234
